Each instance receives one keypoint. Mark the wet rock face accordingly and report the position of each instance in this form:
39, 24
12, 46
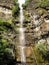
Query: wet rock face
6, 3
6, 9
41, 17
5, 13
35, 33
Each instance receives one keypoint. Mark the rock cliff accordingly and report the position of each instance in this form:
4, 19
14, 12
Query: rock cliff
36, 24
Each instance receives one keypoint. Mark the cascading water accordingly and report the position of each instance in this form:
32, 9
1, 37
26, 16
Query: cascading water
21, 31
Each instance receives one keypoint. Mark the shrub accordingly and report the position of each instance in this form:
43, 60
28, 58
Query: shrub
15, 8
26, 3
44, 3
42, 48
5, 52
6, 56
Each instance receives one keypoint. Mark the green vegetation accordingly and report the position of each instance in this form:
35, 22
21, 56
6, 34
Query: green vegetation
15, 1
15, 8
5, 24
42, 48
44, 3
6, 56
5, 21
38, 56
41, 53
26, 3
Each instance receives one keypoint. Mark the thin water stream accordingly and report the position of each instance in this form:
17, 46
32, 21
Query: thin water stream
22, 35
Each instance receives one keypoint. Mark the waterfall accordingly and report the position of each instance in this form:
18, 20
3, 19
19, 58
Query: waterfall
21, 31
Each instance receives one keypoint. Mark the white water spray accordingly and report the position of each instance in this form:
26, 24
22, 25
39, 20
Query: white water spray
22, 36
